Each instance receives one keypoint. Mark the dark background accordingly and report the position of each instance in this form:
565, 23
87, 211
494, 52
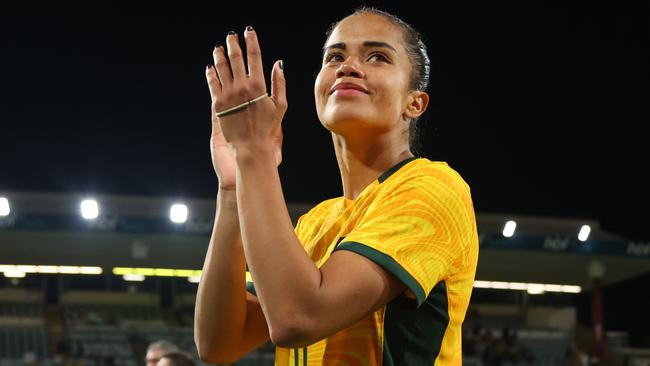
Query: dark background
539, 107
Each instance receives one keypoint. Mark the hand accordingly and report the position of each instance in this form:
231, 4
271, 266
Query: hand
258, 124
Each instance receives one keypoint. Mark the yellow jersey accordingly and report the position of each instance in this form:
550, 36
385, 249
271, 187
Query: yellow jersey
416, 221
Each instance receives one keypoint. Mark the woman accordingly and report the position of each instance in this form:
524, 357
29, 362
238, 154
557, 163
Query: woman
379, 276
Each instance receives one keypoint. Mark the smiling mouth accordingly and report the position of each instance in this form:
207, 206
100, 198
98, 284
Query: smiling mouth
347, 89
347, 92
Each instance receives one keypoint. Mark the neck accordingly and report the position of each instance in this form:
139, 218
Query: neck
360, 162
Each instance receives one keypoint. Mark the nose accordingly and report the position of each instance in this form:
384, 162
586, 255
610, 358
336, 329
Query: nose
349, 68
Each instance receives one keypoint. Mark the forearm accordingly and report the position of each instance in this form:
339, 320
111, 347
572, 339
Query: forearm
284, 274
220, 312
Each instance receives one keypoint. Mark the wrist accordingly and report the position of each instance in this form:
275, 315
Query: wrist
257, 153
227, 197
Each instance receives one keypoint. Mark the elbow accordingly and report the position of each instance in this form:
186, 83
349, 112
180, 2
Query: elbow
215, 357
290, 334
208, 353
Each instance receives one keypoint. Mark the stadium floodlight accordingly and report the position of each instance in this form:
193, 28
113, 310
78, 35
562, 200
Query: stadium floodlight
509, 228
178, 213
583, 235
89, 209
5, 210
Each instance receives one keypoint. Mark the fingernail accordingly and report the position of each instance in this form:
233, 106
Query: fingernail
282, 66
231, 33
217, 45
207, 67
249, 29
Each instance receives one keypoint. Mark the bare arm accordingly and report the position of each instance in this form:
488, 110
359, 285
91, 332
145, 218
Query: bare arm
303, 303
228, 321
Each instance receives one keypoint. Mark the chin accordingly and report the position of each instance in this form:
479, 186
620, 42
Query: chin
342, 122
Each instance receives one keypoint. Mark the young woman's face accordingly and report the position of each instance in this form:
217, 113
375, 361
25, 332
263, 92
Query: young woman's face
363, 84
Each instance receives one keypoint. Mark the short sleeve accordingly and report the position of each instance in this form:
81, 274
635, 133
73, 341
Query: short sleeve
419, 231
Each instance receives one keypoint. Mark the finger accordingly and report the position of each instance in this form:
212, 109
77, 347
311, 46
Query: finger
222, 66
253, 54
213, 82
235, 56
278, 85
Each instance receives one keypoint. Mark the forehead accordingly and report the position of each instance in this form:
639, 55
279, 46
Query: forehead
356, 29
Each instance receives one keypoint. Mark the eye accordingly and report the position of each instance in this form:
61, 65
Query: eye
333, 57
378, 57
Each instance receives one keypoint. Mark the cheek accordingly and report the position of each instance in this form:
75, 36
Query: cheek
392, 99
320, 85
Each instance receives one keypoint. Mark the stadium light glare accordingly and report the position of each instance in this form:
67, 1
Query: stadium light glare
516, 286
69, 269
89, 209
157, 272
571, 289
36, 268
583, 235
5, 210
531, 288
509, 229
91, 270
26, 268
535, 288
178, 213
47, 269
133, 277
14, 273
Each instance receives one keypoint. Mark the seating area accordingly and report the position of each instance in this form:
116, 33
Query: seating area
515, 346
22, 330
113, 333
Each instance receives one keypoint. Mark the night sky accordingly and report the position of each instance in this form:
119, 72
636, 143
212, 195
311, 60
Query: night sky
539, 108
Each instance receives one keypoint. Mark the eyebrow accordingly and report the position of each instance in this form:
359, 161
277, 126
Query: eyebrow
366, 44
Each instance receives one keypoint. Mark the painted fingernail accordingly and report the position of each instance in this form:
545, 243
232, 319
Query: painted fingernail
249, 29
282, 65
231, 33
207, 67
217, 45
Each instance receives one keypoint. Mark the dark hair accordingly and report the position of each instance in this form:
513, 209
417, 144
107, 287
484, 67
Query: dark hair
420, 65
179, 358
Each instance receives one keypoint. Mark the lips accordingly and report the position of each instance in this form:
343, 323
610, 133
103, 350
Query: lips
348, 86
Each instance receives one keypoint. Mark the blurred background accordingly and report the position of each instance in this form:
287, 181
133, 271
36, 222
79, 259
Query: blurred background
107, 193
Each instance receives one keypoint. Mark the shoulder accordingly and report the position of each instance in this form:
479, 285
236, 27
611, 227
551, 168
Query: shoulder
320, 211
427, 176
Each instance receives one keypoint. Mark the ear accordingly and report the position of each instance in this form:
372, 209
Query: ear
416, 103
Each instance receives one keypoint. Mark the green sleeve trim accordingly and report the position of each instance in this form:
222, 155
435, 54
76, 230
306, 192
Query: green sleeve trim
388, 264
250, 287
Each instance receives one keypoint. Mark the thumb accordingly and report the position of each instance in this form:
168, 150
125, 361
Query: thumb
278, 85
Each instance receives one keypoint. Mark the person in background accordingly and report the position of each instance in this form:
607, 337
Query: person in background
157, 349
177, 358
